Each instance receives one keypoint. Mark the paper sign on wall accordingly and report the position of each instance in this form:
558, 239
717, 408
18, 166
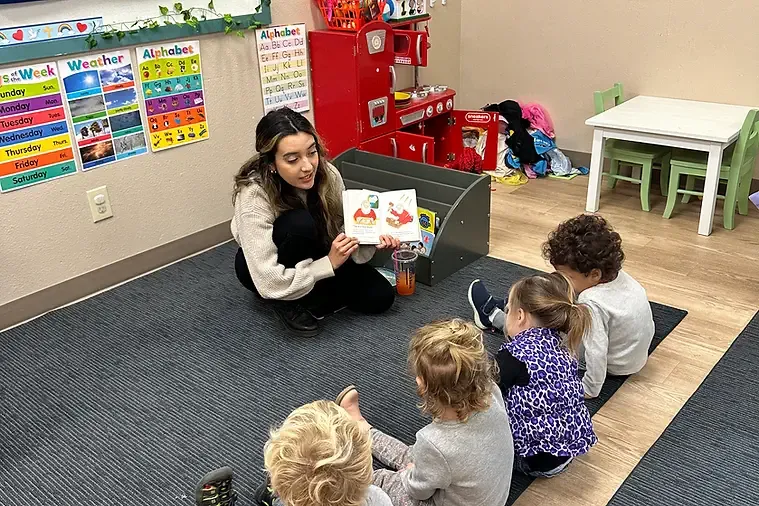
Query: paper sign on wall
102, 100
35, 141
283, 63
46, 31
172, 86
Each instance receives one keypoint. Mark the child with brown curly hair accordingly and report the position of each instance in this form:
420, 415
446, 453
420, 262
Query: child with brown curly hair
465, 456
588, 251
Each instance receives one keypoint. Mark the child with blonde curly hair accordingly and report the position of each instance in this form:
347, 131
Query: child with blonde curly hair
319, 456
465, 456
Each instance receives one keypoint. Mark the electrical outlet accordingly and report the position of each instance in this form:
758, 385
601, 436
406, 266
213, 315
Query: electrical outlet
100, 204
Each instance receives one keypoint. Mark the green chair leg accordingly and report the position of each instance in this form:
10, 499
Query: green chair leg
690, 184
664, 175
645, 186
728, 211
674, 182
613, 171
743, 190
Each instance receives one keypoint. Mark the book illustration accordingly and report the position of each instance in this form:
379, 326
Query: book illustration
425, 245
427, 220
367, 214
397, 212
422, 247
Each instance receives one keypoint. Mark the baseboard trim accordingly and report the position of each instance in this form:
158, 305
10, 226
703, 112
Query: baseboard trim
69, 291
582, 159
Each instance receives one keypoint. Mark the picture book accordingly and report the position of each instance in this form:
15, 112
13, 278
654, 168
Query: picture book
427, 228
427, 220
423, 246
369, 214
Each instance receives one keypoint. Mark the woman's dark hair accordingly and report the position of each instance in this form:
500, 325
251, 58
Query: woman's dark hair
324, 201
584, 243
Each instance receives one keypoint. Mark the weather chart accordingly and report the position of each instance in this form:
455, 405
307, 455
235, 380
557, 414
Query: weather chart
102, 98
172, 87
35, 141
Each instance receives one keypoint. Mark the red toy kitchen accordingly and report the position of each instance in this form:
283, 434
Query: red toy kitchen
356, 104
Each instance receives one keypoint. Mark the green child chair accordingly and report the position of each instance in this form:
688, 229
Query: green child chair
632, 153
737, 169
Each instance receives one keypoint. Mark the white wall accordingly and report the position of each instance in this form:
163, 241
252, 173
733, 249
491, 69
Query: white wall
557, 53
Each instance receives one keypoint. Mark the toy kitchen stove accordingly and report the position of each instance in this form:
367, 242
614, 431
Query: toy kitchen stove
356, 104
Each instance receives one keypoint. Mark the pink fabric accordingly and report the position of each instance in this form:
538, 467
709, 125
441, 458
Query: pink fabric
531, 174
538, 118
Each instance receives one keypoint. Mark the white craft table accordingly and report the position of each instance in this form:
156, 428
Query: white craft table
700, 126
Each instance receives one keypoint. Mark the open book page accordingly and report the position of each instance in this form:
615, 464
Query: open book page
400, 215
362, 213
369, 214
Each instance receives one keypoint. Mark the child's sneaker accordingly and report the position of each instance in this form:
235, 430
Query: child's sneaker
264, 495
215, 489
483, 304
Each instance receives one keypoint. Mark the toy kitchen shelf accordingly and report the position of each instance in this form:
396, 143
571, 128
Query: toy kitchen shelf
409, 22
460, 200
354, 87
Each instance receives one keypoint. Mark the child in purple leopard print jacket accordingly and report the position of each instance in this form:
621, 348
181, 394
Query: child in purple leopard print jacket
544, 395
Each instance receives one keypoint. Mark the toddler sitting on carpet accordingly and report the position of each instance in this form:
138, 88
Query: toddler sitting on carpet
465, 456
319, 456
539, 375
589, 252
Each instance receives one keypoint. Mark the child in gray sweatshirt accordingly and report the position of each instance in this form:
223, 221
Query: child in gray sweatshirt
589, 252
466, 455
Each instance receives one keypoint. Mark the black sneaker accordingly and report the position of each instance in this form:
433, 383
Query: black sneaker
264, 495
296, 318
483, 304
215, 488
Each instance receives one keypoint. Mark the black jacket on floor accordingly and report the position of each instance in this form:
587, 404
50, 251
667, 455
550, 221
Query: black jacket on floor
520, 142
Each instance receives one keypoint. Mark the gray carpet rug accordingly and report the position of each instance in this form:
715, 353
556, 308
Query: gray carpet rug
709, 454
128, 398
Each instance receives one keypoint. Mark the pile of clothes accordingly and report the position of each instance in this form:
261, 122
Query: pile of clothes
526, 142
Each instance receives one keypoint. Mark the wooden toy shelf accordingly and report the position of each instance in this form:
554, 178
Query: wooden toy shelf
460, 200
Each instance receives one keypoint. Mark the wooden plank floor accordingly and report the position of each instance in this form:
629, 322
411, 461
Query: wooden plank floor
715, 278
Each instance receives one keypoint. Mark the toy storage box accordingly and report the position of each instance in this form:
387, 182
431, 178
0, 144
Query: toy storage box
460, 200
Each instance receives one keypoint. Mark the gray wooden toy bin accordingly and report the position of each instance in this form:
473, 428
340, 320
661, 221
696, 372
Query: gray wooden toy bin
460, 200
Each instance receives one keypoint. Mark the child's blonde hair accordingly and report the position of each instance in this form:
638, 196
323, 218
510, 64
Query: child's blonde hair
450, 359
550, 298
319, 456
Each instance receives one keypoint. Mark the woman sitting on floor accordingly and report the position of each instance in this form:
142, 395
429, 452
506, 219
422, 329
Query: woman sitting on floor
289, 224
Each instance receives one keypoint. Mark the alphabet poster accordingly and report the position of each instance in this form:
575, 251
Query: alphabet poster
283, 62
35, 141
172, 87
102, 100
